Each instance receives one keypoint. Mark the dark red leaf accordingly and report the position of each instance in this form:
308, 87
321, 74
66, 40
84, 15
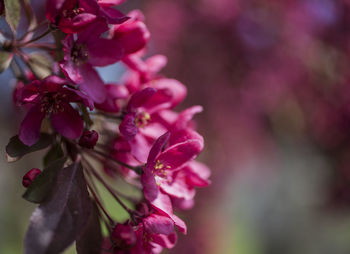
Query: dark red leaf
90, 241
59, 220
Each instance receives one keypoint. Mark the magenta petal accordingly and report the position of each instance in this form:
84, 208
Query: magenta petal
158, 224
166, 241
198, 174
169, 91
77, 24
183, 135
92, 32
104, 52
178, 188
178, 155
113, 16
92, 84
71, 71
110, 2
150, 187
140, 98
186, 116
128, 127
52, 8
157, 148
163, 204
156, 63
29, 131
133, 36
114, 92
180, 224
140, 147
67, 122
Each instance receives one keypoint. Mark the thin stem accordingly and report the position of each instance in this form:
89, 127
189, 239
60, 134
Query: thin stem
99, 203
93, 171
45, 46
137, 169
35, 38
33, 29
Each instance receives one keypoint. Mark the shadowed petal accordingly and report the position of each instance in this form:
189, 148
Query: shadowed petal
67, 122
29, 131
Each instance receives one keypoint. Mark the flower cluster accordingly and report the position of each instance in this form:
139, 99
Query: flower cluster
98, 133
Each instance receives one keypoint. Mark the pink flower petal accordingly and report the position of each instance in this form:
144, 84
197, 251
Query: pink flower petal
157, 148
150, 188
138, 99
92, 83
29, 131
67, 122
158, 224
128, 127
178, 155
104, 52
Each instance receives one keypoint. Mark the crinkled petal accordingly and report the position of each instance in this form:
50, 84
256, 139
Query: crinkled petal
178, 155
166, 241
150, 188
157, 148
77, 24
67, 122
163, 205
140, 147
128, 127
186, 116
183, 135
29, 131
158, 224
169, 91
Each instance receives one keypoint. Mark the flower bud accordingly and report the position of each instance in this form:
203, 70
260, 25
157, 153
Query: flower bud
29, 177
88, 139
124, 236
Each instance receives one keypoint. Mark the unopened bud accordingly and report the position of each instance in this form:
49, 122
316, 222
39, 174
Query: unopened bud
88, 139
29, 177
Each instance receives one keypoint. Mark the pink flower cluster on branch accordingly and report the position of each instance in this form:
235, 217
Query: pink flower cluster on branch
97, 132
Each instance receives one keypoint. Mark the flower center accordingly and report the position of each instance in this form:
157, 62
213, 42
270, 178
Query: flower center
160, 169
79, 54
52, 103
142, 119
70, 14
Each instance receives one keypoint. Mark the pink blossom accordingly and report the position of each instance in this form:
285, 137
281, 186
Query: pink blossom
72, 16
50, 98
89, 50
161, 163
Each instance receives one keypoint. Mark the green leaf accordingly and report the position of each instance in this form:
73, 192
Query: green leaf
41, 187
15, 149
5, 60
12, 13
53, 154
